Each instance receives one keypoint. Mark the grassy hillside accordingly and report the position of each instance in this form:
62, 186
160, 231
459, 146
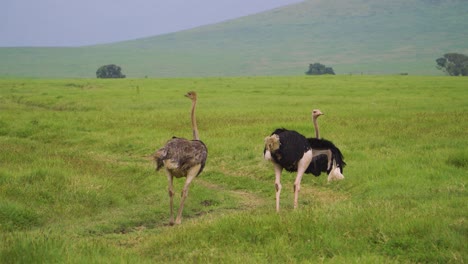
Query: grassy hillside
356, 36
76, 185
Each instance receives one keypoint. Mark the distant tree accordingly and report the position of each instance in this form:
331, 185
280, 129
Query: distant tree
109, 71
319, 69
454, 64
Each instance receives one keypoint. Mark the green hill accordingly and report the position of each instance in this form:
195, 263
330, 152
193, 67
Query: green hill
352, 36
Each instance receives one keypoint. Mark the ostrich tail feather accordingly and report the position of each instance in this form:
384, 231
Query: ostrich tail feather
158, 157
272, 143
335, 175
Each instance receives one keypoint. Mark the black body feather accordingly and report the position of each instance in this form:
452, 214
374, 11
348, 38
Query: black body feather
319, 163
292, 148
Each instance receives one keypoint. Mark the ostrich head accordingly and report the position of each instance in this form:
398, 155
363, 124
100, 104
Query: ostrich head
316, 113
192, 95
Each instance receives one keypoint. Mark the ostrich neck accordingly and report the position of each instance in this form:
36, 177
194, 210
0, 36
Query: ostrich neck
194, 121
317, 133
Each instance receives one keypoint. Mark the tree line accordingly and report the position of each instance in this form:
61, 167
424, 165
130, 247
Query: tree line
109, 71
453, 64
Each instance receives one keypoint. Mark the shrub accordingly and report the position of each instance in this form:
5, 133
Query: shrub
109, 71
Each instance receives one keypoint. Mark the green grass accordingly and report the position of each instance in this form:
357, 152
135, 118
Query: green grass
77, 186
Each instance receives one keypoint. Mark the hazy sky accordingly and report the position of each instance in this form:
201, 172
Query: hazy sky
86, 22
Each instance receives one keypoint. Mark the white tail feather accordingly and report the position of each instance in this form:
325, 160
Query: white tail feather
335, 175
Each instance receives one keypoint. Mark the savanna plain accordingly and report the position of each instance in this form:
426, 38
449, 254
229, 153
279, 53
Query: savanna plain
77, 184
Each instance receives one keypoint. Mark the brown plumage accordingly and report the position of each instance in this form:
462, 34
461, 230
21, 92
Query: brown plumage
182, 158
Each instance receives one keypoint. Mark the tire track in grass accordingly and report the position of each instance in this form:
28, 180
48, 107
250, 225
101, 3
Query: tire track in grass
248, 200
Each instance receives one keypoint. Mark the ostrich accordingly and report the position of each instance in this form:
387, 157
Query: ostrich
287, 149
326, 156
182, 158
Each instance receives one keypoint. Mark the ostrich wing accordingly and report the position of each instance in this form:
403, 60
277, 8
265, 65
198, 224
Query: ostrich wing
292, 148
318, 164
323, 144
181, 154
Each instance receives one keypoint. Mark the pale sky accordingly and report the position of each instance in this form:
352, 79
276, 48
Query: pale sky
87, 22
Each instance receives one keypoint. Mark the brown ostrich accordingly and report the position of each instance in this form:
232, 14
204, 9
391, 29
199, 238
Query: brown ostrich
182, 158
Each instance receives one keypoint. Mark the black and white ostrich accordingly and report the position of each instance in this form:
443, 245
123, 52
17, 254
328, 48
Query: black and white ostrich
182, 158
287, 149
326, 156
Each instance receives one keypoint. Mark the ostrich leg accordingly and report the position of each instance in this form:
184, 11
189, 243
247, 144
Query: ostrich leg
301, 168
278, 170
171, 197
190, 176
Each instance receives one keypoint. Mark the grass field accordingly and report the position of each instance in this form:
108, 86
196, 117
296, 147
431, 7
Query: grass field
77, 186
